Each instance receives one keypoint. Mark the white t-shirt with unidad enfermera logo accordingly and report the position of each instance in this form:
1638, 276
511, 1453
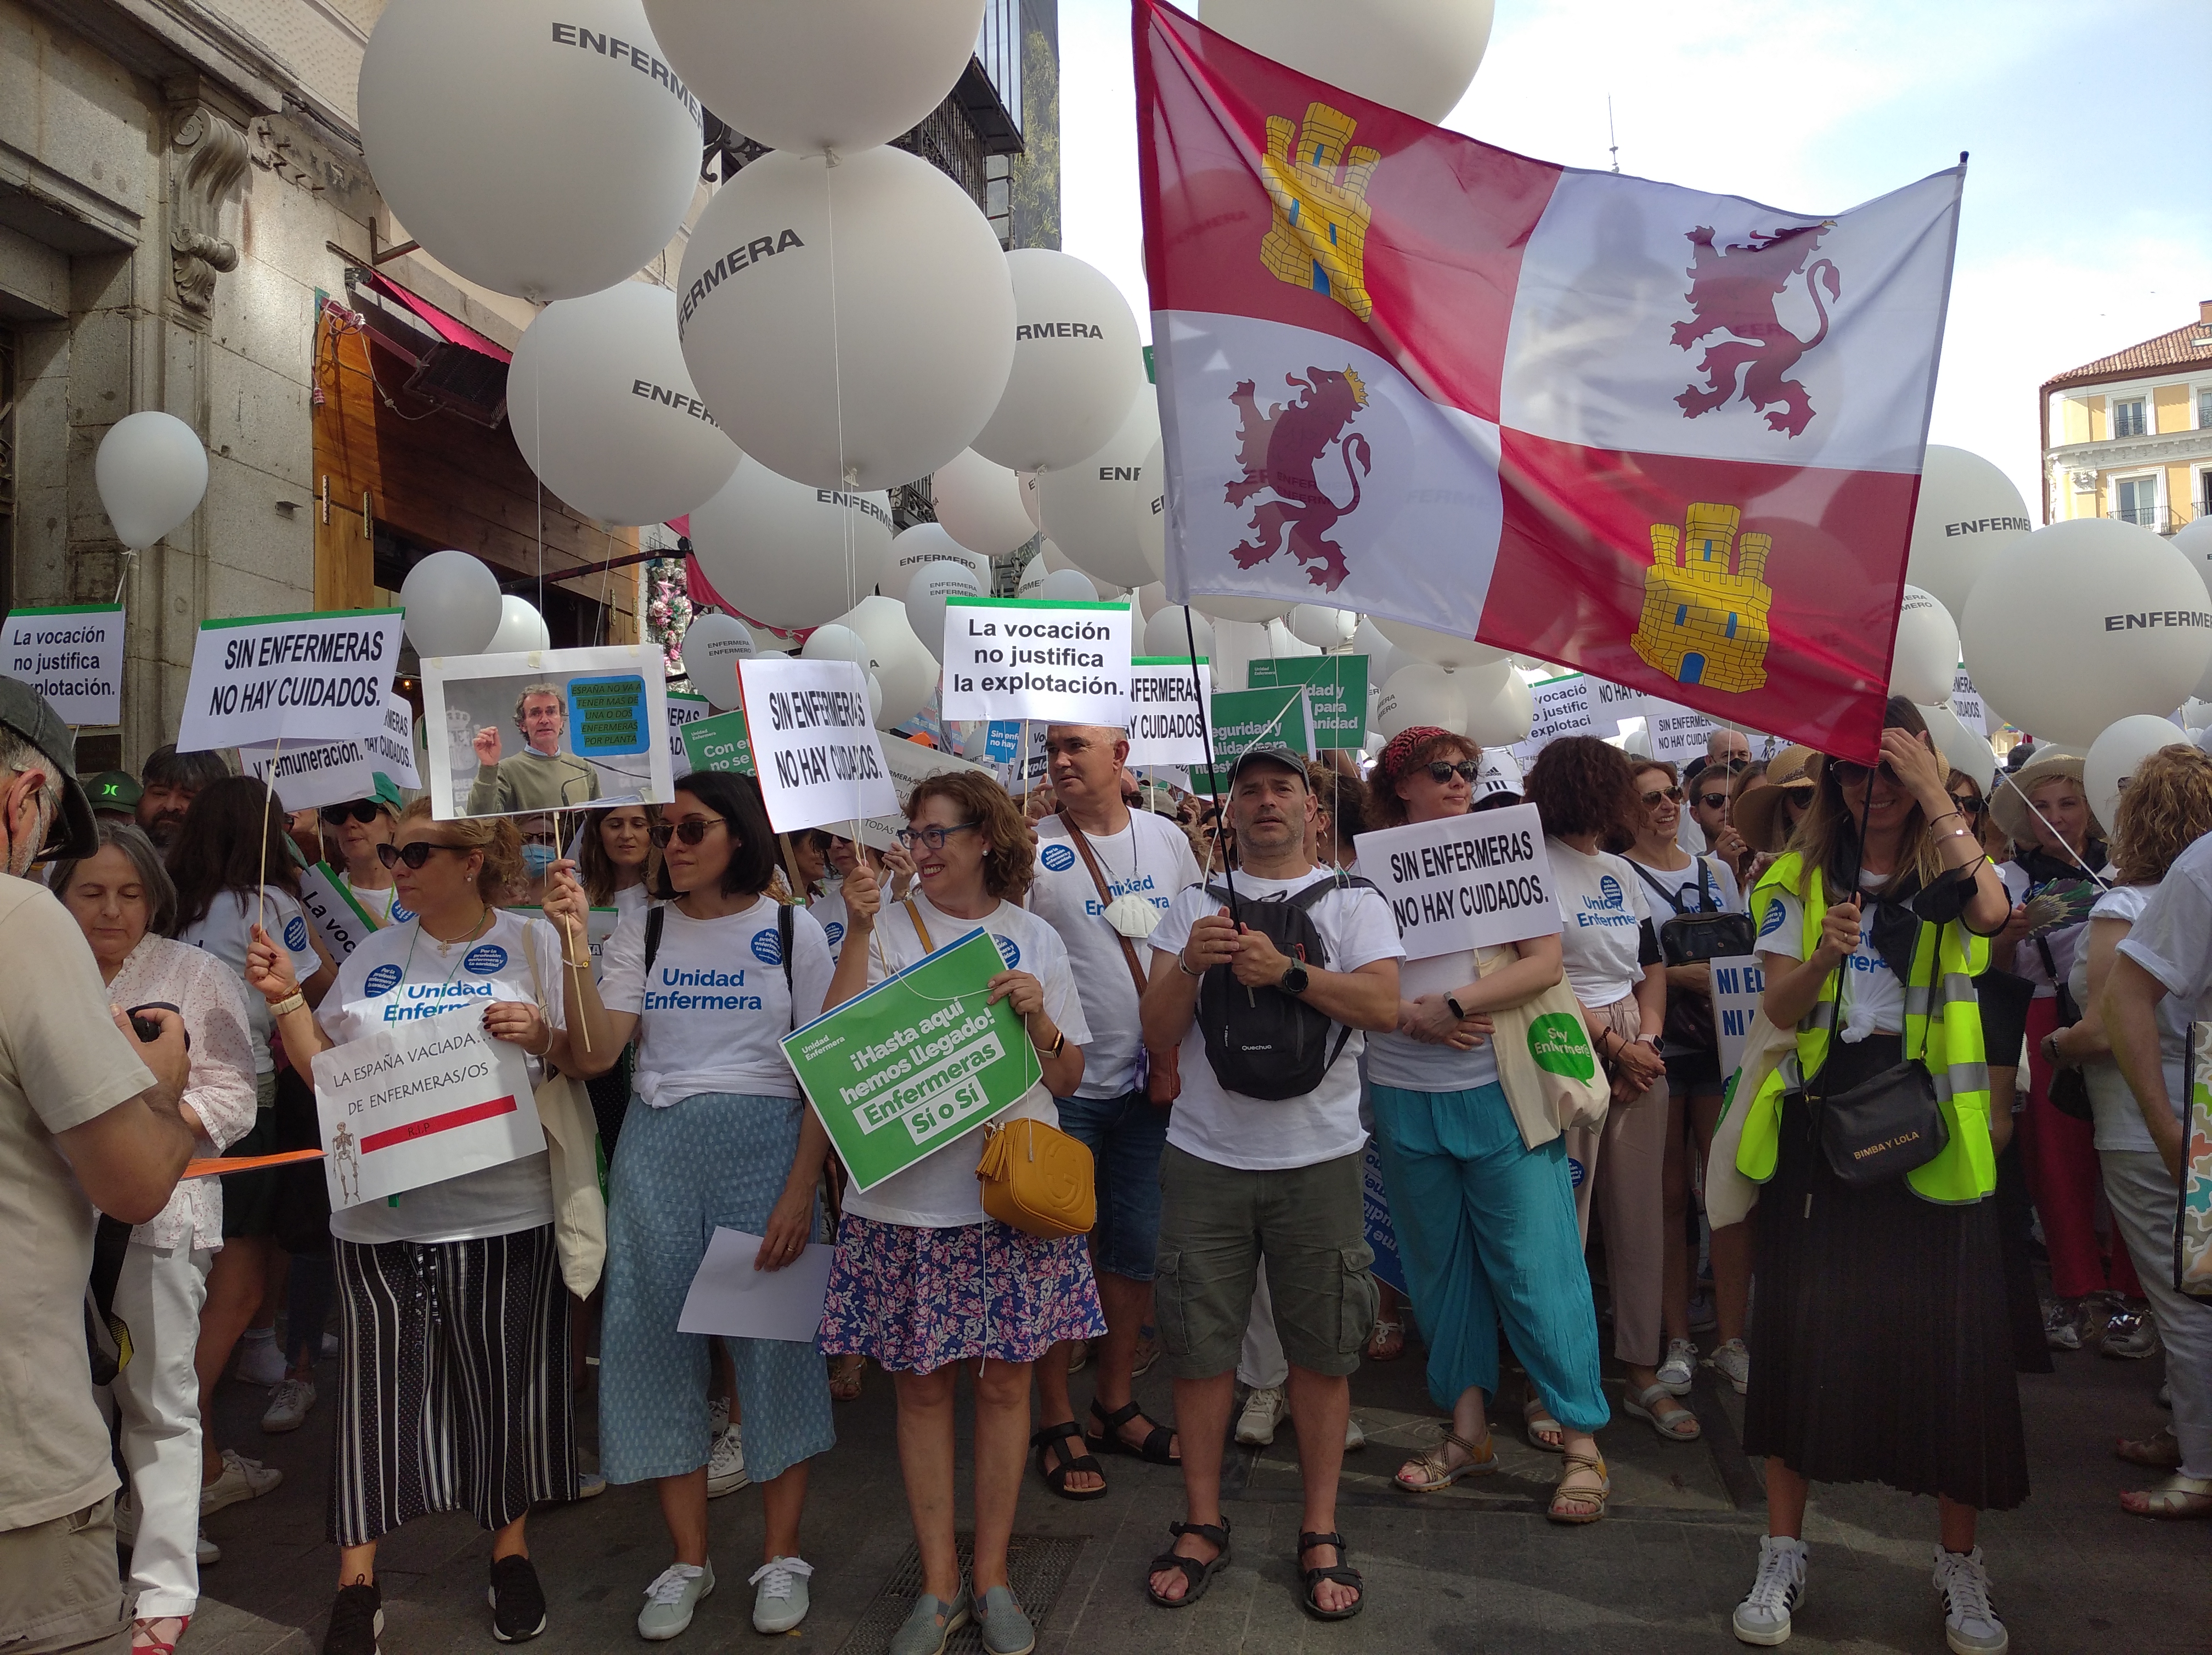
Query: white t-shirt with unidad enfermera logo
1601, 915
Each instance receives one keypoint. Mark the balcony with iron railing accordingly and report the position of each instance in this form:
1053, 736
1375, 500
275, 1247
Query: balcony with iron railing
2165, 519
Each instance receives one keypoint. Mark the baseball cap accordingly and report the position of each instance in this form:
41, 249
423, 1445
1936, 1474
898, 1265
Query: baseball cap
1501, 773
25, 712
384, 791
1275, 753
115, 790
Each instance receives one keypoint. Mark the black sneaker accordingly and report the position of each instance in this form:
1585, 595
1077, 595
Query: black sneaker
356, 1622
518, 1602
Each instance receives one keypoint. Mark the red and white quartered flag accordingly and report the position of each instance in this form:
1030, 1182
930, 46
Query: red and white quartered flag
1672, 439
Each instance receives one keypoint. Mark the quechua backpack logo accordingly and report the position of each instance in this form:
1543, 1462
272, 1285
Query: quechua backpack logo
1261, 1042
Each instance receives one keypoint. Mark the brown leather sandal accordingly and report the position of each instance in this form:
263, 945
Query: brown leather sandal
1570, 1463
1438, 1472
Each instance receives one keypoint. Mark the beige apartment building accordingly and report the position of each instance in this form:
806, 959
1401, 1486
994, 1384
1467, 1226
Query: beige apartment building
2130, 435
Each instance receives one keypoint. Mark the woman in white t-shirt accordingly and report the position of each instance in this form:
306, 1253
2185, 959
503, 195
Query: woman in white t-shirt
453, 1377
2166, 808
361, 826
618, 866
717, 1136
924, 1282
1585, 791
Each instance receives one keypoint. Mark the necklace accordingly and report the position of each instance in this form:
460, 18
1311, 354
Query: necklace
483, 925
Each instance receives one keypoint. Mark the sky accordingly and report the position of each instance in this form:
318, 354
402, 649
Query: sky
2082, 230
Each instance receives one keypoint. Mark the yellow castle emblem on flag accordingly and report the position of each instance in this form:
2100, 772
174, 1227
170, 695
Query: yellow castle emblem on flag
1319, 239
1705, 599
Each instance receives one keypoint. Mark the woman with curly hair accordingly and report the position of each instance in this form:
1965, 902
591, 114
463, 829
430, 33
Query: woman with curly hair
2166, 808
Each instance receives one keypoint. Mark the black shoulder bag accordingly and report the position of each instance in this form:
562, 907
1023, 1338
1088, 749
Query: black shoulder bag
1888, 1124
2068, 1088
1691, 937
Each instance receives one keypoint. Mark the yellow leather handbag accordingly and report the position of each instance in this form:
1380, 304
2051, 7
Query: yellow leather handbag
1038, 1179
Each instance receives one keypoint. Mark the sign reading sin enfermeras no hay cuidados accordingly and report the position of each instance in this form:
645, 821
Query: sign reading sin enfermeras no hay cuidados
290, 677
1459, 882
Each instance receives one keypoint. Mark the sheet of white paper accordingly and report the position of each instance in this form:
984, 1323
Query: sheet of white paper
730, 1296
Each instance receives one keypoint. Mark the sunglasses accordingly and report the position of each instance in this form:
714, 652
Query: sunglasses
1967, 805
1650, 800
1712, 800
363, 810
1441, 770
1850, 775
415, 854
691, 830
934, 837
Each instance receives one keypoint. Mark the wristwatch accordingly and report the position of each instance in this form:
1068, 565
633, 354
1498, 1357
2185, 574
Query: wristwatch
1294, 979
1457, 1010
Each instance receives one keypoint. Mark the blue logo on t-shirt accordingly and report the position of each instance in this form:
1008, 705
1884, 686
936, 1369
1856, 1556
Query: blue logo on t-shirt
768, 947
1609, 888
835, 931
1575, 1173
1058, 858
486, 960
296, 934
383, 980
400, 916
1008, 952
1772, 923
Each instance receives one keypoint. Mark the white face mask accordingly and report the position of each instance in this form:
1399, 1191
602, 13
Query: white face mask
1132, 916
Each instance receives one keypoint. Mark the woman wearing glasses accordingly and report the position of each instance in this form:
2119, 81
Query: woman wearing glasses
1484, 1216
924, 1283
453, 1377
361, 826
717, 1136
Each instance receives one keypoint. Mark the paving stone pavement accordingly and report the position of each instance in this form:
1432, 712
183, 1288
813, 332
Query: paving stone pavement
1474, 1569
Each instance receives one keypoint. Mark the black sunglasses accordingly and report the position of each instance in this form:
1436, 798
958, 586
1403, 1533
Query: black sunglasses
1712, 800
691, 830
1441, 770
363, 810
1652, 799
1849, 774
934, 837
415, 854
1967, 805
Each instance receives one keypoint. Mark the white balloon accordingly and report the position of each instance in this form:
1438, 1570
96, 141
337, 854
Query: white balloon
1067, 586
834, 642
1969, 512
1479, 685
1438, 648
932, 584
453, 604
906, 670
1415, 55
816, 75
1152, 598
534, 151
521, 627
151, 471
2193, 540
920, 545
2065, 629
1077, 365
1506, 718
1033, 575
1383, 657
2113, 756
1164, 633
1963, 750
1419, 694
875, 701
1323, 627
1286, 645
979, 503
884, 368
778, 549
1255, 611
603, 409
1029, 482
1924, 665
1153, 519
714, 644
1094, 510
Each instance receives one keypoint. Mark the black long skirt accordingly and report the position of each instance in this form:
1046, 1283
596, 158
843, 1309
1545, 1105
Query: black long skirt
1881, 1348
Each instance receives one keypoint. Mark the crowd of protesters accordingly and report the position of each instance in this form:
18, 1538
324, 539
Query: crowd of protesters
1224, 1016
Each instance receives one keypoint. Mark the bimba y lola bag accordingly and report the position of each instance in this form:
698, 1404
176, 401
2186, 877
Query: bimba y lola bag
1885, 1126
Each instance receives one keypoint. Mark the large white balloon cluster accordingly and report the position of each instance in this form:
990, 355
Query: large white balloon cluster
918, 546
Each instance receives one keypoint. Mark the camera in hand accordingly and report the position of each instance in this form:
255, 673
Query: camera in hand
147, 1029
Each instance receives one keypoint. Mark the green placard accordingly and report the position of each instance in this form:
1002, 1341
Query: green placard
719, 743
1249, 718
1338, 684
900, 1071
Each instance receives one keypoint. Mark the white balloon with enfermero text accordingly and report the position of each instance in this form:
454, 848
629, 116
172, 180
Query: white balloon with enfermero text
789, 554
1077, 364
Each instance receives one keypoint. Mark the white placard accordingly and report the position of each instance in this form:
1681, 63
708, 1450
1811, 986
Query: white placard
1739, 983
313, 774
683, 708
815, 748
729, 1297
290, 677
1679, 734
1966, 703
1164, 712
1464, 882
1568, 706
909, 762
1053, 663
421, 1104
536, 730
338, 918
73, 657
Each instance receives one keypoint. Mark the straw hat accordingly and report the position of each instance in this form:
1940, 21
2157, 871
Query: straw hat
2008, 804
1794, 772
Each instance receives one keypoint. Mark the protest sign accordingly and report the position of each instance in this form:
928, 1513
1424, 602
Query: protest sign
313, 775
421, 1104
290, 677
1054, 663
540, 730
684, 709
814, 745
728, 1296
909, 762
1248, 718
1678, 734
1381, 1234
1339, 698
1164, 726
1966, 703
1002, 740
906, 1067
1738, 984
338, 918
719, 743
1566, 706
73, 657
1464, 881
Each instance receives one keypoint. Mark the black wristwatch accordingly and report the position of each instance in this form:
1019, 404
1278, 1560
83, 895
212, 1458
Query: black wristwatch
1457, 1010
1294, 979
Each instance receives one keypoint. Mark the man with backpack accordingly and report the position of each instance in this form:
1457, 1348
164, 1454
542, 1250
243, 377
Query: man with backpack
1263, 979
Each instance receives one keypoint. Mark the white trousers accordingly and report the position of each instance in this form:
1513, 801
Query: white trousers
1261, 1363
2143, 1199
157, 1396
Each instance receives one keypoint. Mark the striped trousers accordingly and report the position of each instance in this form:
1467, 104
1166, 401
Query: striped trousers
454, 1389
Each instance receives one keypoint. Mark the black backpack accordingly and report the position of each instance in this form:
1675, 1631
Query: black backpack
1261, 1042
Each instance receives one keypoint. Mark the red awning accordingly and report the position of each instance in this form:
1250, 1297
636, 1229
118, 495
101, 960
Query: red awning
452, 329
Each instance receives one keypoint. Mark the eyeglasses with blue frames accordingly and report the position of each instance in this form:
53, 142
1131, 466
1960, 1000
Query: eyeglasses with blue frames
934, 837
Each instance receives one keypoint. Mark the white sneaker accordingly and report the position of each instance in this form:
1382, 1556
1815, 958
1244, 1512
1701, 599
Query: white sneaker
1732, 1360
780, 1600
1355, 1435
259, 1361
1680, 1368
725, 1467
1971, 1626
717, 1416
1763, 1617
1264, 1410
669, 1600
209, 1552
287, 1405
241, 1479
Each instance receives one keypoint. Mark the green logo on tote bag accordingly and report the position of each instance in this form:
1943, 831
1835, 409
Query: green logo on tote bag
1557, 1042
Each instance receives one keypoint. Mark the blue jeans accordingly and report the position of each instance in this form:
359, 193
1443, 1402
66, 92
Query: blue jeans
1125, 1136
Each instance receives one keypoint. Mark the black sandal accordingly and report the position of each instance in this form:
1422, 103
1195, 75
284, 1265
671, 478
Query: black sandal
1154, 1448
1046, 1442
1338, 1572
1196, 1575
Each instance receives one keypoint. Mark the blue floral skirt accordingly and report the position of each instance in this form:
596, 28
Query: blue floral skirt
917, 1299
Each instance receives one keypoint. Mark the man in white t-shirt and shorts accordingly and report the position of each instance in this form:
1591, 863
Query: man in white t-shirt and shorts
1246, 1179
1105, 877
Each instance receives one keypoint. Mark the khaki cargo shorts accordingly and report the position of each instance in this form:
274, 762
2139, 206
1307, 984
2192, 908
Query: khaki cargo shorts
59, 1587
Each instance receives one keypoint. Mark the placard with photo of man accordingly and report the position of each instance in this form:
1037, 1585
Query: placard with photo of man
547, 730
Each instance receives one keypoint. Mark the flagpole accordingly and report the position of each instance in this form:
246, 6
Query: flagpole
1205, 738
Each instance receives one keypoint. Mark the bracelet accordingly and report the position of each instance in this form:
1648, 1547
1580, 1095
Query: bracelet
1934, 820
290, 1003
1183, 965
576, 964
1956, 832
